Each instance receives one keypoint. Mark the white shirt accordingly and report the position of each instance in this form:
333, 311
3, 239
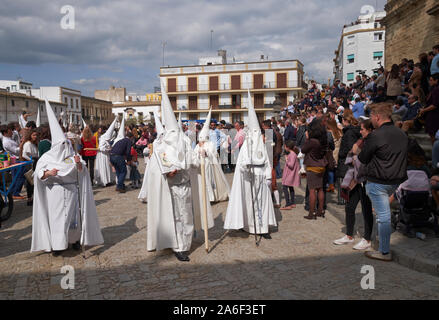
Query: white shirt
11, 146
30, 150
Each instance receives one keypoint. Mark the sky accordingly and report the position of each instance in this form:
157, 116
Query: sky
120, 42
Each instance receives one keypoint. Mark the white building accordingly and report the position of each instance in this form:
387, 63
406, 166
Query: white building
70, 97
15, 85
361, 48
214, 82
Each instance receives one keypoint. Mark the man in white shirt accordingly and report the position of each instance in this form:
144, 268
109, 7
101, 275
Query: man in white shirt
11, 146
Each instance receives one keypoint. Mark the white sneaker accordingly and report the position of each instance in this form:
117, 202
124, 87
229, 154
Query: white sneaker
362, 245
344, 240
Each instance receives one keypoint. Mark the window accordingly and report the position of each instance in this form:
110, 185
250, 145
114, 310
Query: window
77, 104
27, 104
214, 101
14, 87
259, 100
378, 55
172, 84
378, 36
71, 102
258, 81
351, 58
236, 117
65, 101
350, 76
236, 82
13, 103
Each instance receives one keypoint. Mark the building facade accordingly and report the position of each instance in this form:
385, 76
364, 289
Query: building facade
69, 97
112, 94
193, 89
15, 85
412, 27
138, 111
12, 104
361, 48
95, 111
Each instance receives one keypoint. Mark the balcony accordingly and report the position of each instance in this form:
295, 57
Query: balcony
244, 86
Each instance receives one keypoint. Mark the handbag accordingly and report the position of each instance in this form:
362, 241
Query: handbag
29, 175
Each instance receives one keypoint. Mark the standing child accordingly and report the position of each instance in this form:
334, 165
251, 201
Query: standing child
290, 177
134, 173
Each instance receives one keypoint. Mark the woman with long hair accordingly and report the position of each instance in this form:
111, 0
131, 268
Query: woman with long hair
88, 151
315, 149
356, 192
29, 150
45, 139
336, 134
393, 81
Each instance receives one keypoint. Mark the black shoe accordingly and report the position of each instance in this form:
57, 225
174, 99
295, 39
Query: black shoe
266, 236
181, 256
311, 217
57, 253
76, 246
121, 190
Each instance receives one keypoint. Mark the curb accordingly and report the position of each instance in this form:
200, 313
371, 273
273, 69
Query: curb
403, 256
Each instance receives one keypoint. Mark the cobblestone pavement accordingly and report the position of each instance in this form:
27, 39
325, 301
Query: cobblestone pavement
300, 262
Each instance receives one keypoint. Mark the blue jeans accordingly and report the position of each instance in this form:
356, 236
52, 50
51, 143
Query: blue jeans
278, 169
331, 178
435, 154
119, 164
379, 196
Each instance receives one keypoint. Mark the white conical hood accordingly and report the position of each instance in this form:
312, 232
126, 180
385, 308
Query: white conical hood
256, 152
158, 124
109, 133
55, 129
168, 116
204, 133
38, 122
83, 122
71, 119
61, 148
180, 123
121, 133
253, 122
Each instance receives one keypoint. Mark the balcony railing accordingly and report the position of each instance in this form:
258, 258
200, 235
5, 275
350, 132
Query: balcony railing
243, 86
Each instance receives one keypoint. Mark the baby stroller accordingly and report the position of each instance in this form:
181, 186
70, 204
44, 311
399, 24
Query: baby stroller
415, 211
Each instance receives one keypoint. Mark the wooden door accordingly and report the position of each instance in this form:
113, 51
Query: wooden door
281, 80
192, 84
258, 81
213, 83
259, 100
172, 85
236, 82
283, 98
193, 104
214, 101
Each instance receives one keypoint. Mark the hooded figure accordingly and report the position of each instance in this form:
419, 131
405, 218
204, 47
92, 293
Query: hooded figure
173, 194
216, 184
251, 190
103, 171
143, 195
61, 179
84, 124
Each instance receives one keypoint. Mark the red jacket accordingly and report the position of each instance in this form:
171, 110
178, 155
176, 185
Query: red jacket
88, 144
134, 155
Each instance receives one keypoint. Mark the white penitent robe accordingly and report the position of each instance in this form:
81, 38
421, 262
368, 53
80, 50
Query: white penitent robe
250, 193
216, 184
175, 205
103, 169
56, 221
143, 194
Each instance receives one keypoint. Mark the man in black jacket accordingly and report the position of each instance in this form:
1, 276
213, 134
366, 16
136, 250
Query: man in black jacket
290, 131
385, 155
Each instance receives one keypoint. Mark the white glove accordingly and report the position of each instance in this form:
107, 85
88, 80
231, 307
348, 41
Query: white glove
269, 183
